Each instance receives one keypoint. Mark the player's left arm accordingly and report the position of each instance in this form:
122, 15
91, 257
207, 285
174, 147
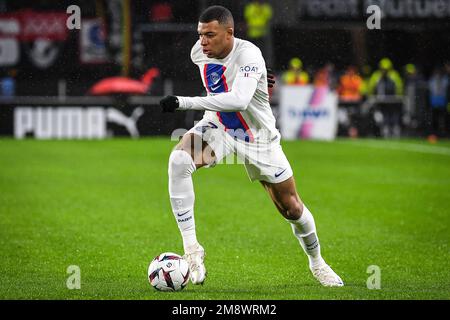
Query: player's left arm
251, 67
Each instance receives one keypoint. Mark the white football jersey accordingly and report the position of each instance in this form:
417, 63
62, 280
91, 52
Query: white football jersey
218, 75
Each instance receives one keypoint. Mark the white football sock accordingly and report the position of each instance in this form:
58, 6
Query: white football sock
182, 197
305, 231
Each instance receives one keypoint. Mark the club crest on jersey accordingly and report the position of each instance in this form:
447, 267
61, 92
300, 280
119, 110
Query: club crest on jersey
215, 78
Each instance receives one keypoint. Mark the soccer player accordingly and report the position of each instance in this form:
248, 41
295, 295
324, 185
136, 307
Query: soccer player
237, 119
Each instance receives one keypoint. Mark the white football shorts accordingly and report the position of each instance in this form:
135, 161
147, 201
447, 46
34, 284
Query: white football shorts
263, 161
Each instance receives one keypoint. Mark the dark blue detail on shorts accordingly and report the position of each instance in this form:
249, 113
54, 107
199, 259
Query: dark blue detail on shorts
203, 129
279, 174
234, 126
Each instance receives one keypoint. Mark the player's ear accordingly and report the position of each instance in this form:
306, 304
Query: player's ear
230, 31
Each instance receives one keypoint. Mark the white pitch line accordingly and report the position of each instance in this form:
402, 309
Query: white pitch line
412, 147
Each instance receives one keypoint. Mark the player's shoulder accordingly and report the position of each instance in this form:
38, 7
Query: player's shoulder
247, 46
196, 52
247, 49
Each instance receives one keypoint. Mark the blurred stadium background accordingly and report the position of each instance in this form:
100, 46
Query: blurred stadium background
323, 43
380, 96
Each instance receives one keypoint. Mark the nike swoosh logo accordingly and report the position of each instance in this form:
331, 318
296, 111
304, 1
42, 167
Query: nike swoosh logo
214, 88
180, 215
279, 174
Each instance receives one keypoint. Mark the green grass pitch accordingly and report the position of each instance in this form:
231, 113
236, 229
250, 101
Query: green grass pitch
103, 206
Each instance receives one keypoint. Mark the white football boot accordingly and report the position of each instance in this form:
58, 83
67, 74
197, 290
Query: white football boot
197, 270
326, 276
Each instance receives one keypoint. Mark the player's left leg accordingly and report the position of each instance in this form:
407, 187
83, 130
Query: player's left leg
267, 163
289, 204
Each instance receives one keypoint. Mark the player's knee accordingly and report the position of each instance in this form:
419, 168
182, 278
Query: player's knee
181, 164
293, 208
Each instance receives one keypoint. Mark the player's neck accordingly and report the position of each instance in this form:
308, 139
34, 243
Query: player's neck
227, 51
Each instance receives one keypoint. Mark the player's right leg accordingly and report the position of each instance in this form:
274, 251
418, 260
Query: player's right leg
190, 154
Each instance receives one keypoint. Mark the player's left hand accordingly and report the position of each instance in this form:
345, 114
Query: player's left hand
169, 103
270, 78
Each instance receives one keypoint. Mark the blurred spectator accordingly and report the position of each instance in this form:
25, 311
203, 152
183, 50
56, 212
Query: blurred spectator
161, 12
333, 79
295, 74
325, 77
349, 90
366, 72
258, 15
321, 78
410, 71
386, 82
350, 86
438, 87
414, 113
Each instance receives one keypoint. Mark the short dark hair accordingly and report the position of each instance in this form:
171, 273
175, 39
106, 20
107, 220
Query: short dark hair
219, 13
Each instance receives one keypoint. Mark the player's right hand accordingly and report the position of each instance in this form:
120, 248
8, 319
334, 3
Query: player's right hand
169, 103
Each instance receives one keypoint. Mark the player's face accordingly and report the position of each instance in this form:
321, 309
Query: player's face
216, 39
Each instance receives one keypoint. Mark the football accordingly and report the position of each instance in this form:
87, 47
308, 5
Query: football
168, 272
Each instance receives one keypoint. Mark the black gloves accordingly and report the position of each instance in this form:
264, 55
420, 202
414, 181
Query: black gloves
169, 103
270, 78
